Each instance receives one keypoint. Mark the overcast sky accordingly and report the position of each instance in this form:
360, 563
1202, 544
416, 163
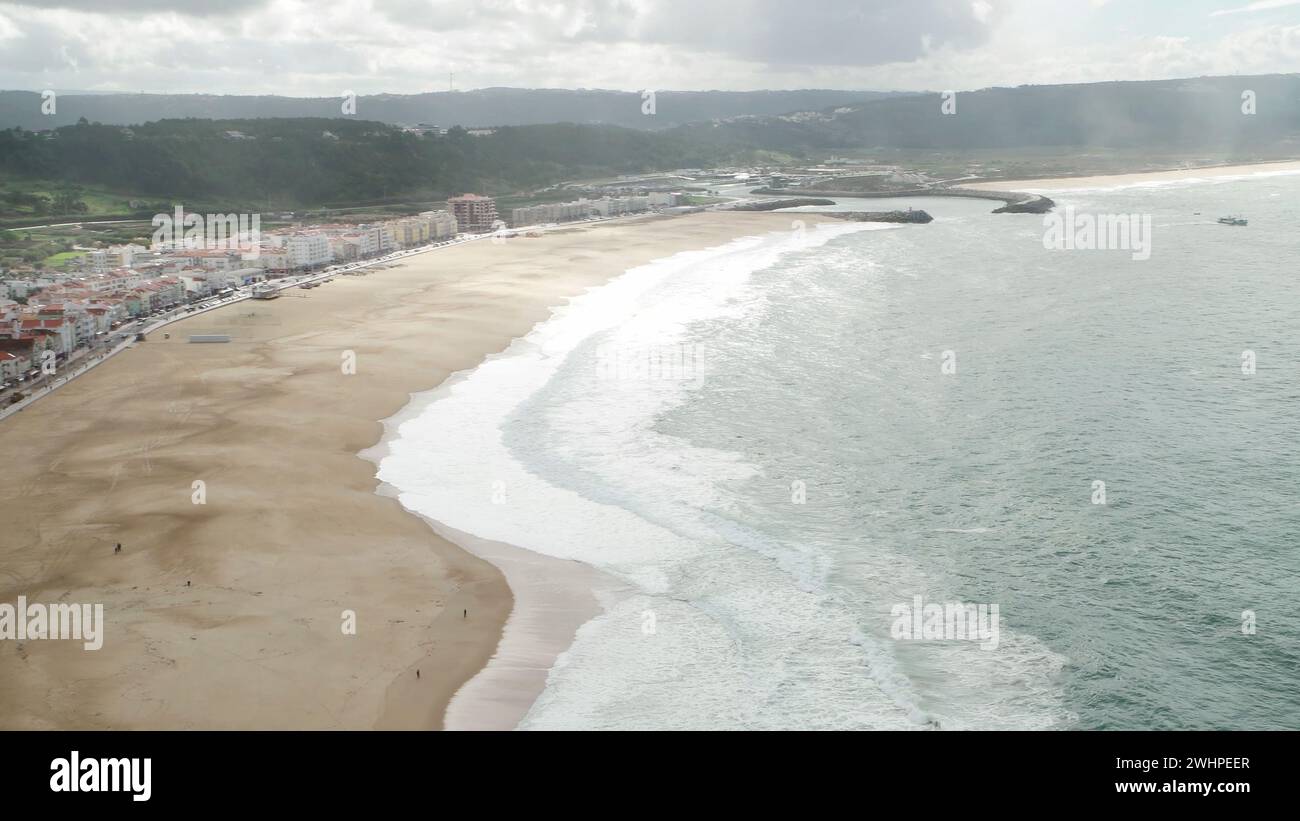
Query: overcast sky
324, 47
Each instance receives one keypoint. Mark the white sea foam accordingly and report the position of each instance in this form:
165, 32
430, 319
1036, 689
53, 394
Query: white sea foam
728, 627
1179, 182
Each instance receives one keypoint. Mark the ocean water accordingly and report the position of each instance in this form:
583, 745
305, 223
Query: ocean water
776, 442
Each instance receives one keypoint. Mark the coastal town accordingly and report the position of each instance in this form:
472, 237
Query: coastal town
380, 375
103, 296
52, 321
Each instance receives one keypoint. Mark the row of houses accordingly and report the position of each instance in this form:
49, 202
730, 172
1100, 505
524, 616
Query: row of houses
144, 280
60, 320
77, 313
204, 271
584, 208
138, 293
282, 252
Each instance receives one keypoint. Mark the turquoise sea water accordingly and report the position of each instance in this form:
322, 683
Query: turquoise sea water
816, 362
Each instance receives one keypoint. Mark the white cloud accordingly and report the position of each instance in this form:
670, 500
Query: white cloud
321, 47
1260, 5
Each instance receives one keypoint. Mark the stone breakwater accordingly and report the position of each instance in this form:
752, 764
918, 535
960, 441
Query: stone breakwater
913, 216
909, 215
775, 205
1014, 202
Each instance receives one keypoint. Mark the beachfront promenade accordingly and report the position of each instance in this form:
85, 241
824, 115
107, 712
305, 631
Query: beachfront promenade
49, 384
53, 382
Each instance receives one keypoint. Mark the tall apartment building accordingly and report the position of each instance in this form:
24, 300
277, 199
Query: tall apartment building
616, 206
274, 259
308, 250
411, 232
442, 225
115, 256
474, 213
550, 212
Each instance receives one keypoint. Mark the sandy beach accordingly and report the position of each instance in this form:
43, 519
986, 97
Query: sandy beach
1111, 180
230, 613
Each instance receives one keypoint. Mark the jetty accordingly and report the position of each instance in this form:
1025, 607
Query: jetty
908, 216
914, 216
774, 204
1013, 202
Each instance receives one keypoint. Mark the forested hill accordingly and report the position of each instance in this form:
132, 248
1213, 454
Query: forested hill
482, 107
266, 162
286, 161
1166, 115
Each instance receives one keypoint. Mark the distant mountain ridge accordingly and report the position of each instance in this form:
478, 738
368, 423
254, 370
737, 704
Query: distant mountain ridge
478, 108
1204, 112
1162, 114
292, 161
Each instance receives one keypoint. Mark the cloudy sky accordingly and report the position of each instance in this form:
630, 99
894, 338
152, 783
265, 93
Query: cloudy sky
323, 47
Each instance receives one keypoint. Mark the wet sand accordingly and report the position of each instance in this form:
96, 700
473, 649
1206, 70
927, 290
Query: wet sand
230, 613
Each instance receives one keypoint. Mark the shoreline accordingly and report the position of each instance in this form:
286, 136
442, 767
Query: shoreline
226, 614
1137, 177
553, 599
549, 599
1018, 193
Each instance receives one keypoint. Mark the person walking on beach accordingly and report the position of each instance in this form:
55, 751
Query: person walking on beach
417, 672
118, 549
464, 614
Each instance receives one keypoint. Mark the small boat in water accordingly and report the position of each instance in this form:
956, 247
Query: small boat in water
1232, 220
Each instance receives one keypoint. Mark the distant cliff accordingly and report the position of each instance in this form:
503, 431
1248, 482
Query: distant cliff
479, 107
1202, 114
